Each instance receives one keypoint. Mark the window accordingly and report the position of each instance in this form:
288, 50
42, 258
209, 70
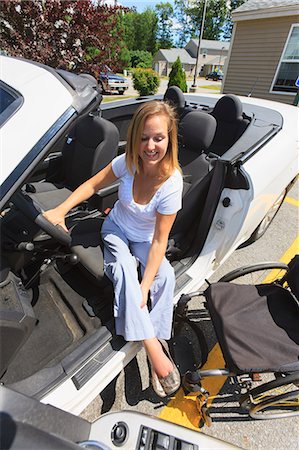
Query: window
288, 68
10, 101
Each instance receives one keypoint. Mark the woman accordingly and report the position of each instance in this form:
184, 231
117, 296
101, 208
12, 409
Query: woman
138, 228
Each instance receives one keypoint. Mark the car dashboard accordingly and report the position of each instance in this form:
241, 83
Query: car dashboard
27, 423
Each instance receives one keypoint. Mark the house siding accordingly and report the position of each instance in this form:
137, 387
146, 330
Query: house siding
255, 55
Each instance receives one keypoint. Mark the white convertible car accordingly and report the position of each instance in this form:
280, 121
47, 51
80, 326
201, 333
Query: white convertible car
239, 157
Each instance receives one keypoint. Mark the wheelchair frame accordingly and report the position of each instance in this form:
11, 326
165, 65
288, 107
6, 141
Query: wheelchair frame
278, 398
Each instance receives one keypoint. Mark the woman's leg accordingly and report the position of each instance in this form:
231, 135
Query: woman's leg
131, 322
161, 313
161, 292
159, 361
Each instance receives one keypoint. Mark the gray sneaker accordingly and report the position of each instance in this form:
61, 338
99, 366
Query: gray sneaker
172, 381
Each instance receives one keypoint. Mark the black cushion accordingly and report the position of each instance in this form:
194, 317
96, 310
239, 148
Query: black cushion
175, 97
228, 109
91, 145
292, 276
87, 245
196, 132
49, 195
94, 144
257, 326
231, 124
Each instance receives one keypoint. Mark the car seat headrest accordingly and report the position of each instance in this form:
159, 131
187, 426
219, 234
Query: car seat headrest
197, 130
90, 131
175, 97
228, 108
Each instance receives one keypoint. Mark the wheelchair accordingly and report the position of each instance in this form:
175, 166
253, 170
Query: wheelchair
257, 327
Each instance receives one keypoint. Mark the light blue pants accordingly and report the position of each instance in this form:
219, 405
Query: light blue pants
131, 321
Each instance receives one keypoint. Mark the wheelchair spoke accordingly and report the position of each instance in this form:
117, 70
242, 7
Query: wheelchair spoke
276, 399
277, 407
255, 275
271, 393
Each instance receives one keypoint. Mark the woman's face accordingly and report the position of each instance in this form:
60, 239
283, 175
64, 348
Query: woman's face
154, 141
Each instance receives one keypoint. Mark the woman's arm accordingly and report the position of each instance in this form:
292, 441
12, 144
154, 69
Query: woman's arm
157, 252
83, 192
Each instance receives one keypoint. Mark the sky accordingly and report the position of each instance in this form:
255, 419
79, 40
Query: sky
141, 5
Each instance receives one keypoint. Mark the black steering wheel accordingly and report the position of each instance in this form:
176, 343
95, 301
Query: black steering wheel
33, 211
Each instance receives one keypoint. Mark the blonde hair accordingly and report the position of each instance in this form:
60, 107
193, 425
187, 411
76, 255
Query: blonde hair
146, 110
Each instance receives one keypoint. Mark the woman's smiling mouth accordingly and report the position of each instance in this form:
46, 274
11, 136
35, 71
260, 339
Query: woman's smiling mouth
151, 154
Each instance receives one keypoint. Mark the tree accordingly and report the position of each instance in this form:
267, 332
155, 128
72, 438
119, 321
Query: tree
228, 25
177, 76
140, 30
127, 21
140, 58
146, 81
184, 31
124, 56
165, 24
216, 15
73, 35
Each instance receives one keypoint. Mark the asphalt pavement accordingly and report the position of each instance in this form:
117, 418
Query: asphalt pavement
131, 390
164, 83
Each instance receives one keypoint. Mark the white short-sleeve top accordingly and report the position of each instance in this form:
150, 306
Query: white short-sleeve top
138, 221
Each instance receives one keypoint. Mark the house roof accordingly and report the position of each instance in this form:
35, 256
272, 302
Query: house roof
210, 44
170, 55
259, 9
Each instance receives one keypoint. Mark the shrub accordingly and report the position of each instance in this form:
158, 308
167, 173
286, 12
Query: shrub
177, 76
140, 58
145, 81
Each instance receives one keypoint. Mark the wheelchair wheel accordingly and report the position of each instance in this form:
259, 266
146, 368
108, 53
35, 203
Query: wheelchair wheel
267, 272
276, 399
188, 345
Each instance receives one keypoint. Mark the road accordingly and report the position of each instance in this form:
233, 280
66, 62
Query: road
131, 390
164, 82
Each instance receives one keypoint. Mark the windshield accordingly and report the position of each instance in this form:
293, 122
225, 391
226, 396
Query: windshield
10, 101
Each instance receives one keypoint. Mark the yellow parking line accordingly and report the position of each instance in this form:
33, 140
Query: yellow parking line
291, 251
182, 409
292, 201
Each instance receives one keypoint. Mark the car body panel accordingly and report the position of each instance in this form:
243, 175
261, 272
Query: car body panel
215, 76
50, 427
67, 397
263, 169
40, 109
113, 82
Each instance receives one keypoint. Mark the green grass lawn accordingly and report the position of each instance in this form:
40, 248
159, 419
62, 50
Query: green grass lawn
113, 98
215, 88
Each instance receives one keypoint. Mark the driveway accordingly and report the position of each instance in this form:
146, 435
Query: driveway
164, 82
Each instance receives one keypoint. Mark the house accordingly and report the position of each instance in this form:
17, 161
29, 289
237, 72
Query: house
212, 54
212, 57
264, 55
164, 59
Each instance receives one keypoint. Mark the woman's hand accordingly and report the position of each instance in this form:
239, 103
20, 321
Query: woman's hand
56, 217
144, 296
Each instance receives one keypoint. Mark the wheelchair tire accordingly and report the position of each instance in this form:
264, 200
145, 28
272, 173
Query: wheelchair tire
188, 345
263, 268
276, 399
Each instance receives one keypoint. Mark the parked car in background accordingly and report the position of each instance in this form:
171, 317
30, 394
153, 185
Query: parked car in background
112, 83
215, 76
239, 156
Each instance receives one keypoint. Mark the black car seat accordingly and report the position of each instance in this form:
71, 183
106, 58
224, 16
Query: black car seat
90, 146
176, 98
231, 123
196, 132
